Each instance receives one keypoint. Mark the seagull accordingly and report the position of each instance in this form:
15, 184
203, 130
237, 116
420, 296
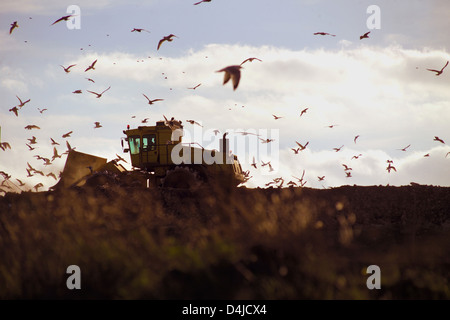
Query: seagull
99, 94
144, 120
5, 145
250, 60
89, 79
244, 133
66, 135
276, 117
22, 103
37, 186
139, 30
152, 101
439, 72
302, 147
77, 91
254, 163
216, 132
404, 149
356, 157
55, 154
193, 88
67, 70
356, 137
324, 34
266, 140
346, 167
51, 174
166, 38
232, 72
32, 140
92, 66
21, 184
390, 167
54, 143
270, 167
31, 126
321, 178
172, 123
42, 110
194, 122
427, 155
97, 125
303, 111
65, 18
337, 149
15, 110
30, 147
438, 139
13, 26
348, 174
69, 148
201, 2
365, 35
447, 154
295, 150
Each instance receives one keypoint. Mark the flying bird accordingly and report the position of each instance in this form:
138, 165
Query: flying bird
51, 174
201, 2
302, 147
22, 103
92, 66
99, 95
139, 30
5, 145
338, 149
356, 157
144, 120
13, 26
194, 122
365, 35
69, 148
37, 186
324, 34
404, 149
231, 72
266, 140
391, 167
152, 101
64, 18
348, 174
331, 126
30, 147
193, 88
356, 137
15, 110
438, 139
439, 72
67, 70
276, 117
295, 150
89, 79
66, 135
54, 143
166, 38
32, 140
55, 154
21, 184
31, 126
303, 111
346, 168
97, 125
254, 163
77, 91
250, 60
42, 110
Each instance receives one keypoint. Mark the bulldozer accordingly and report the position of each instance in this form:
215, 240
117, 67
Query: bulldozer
159, 158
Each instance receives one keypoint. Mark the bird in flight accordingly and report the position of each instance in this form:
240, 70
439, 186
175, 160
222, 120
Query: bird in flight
77, 91
55, 154
15, 110
37, 186
67, 70
438, 139
302, 147
346, 168
22, 103
13, 26
295, 150
194, 122
439, 72
331, 126
42, 110
193, 88
391, 167
266, 140
144, 120
303, 111
66, 135
4, 146
31, 126
276, 117
250, 60
404, 149
92, 66
356, 137
32, 140
356, 157
65, 18
91, 80
166, 38
201, 2
254, 163
338, 149
119, 158
139, 30
152, 101
99, 95
232, 72
97, 125
348, 174
54, 143
365, 35
321, 178
324, 34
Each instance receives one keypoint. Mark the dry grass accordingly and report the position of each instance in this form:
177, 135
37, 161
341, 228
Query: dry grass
136, 243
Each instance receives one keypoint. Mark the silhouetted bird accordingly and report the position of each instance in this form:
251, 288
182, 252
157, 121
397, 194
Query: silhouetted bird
439, 72
13, 26
324, 34
166, 38
64, 18
364, 36
232, 72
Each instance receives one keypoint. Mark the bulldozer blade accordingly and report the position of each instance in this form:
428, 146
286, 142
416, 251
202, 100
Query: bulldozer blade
78, 166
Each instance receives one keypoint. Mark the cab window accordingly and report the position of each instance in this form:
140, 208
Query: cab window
135, 142
149, 142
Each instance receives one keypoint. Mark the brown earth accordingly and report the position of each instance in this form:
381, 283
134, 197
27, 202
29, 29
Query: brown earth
275, 243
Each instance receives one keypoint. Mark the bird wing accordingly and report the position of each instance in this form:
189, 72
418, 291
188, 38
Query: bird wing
160, 42
444, 66
235, 77
226, 77
106, 90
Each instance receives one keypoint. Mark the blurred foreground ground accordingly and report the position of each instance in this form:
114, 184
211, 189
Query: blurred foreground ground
290, 243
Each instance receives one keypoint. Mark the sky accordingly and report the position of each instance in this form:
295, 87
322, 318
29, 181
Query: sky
377, 88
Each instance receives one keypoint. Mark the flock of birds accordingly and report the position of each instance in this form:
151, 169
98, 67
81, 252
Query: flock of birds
231, 72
